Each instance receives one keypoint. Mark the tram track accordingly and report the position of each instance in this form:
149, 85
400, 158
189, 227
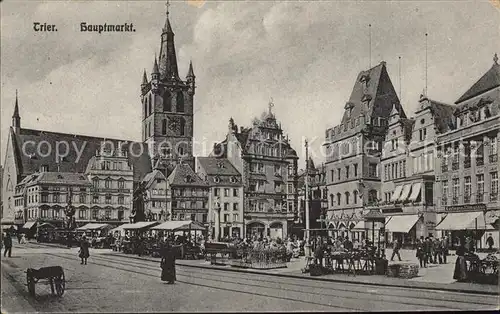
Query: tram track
445, 296
341, 294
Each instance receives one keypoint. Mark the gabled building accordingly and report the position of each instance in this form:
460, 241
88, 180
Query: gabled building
268, 164
189, 195
354, 147
225, 214
157, 204
467, 193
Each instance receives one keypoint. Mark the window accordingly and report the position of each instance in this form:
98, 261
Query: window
107, 214
235, 206
372, 196
332, 200
332, 174
347, 172
95, 183
338, 174
226, 217
467, 190
235, 217
226, 206
216, 192
338, 198
235, 192
180, 102
108, 198
456, 190
355, 170
180, 151
121, 183
226, 192
403, 169
164, 127
167, 101
121, 199
95, 214
494, 186
95, 199
347, 195
277, 169
182, 126
107, 183
422, 133
82, 214
372, 170
480, 188
82, 198
355, 197
55, 198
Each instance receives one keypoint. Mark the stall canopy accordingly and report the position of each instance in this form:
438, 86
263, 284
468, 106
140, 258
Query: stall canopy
461, 221
140, 225
402, 223
46, 225
29, 225
415, 191
405, 193
179, 226
396, 193
120, 228
360, 225
93, 226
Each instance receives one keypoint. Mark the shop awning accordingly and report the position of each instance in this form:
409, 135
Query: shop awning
172, 225
459, 221
405, 193
191, 226
396, 193
120, 228
141, 225
29, 225
93, 226
415, 191
360, 225
46, 225
402, 223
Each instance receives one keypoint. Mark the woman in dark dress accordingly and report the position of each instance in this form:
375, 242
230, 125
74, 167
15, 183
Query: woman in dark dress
168, 264
460, 272
84, 250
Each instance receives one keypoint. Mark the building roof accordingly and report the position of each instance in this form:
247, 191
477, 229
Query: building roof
184, 175
218, 166
443, 115
379, 89
168, 60
150, 177
66, 178
488, 81
30, 161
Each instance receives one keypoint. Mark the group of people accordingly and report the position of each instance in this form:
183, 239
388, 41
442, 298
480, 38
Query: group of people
432, 250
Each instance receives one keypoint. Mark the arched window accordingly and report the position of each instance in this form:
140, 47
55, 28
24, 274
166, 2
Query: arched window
338, 198
150, 104
183, 126
332, 200
372, 196
180, 102
150, 130
167, 101
355, 197
164, 127
146, 131
145, 106
347, 195
180, 151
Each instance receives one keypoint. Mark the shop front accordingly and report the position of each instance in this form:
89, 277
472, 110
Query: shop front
404, 229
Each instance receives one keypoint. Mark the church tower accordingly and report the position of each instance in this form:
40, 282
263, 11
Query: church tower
167, 107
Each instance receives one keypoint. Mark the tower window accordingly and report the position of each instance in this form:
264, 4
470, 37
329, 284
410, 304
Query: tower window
183, 126
167, 101
145, 106
180, 151
164, 127
180, 102
150, 104
150, 131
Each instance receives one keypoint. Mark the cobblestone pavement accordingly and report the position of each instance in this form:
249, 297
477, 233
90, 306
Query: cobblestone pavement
115, 283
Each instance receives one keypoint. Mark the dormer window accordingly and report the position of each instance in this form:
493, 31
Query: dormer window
233, 180
221, 165
216, 179
189, 179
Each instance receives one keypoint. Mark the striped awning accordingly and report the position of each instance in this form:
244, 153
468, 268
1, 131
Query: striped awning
415, 191
405, 193
397, 193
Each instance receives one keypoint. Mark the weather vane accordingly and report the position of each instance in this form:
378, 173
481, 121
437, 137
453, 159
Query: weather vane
271, 105
168, 6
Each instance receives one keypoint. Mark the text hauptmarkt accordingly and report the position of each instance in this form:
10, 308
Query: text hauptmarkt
84, 27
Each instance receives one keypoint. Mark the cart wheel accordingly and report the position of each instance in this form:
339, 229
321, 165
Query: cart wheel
30, 282
60, 284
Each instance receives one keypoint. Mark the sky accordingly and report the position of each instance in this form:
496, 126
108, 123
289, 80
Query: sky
305, 55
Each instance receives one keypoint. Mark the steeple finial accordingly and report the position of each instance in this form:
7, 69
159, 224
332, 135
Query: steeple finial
271, 105
168, 6
16, 118
144, 78
155, 67
190, 71
495, 58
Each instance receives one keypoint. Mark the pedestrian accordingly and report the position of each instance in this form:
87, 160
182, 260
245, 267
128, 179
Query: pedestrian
23, 239
427, 251
421, 253
395, 249
460, 271
490, 242
445, 248
18, 237
437, 251
84, 250
7, 242
167, 264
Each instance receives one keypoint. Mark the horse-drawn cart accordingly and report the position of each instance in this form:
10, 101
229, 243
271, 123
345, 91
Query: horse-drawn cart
53, 274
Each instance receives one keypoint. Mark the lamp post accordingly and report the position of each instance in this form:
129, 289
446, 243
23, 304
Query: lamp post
218, 208
69, 211
375, 220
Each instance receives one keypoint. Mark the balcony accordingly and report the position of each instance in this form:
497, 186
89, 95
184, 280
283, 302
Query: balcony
444, 168
455, 201
479, 197
494, 197
479, 162
493, 158
454, 166
467, 163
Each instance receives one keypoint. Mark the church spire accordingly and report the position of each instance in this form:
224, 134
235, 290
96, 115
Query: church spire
155, 71
190, 71
144, 78
168, 59
16, 118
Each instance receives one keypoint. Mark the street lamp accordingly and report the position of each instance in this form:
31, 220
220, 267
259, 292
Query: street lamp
218, 208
